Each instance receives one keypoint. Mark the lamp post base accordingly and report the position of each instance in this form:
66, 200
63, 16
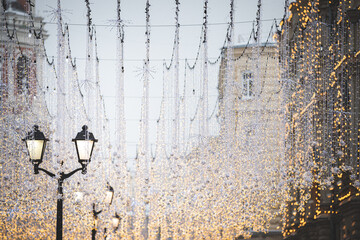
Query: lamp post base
93, 234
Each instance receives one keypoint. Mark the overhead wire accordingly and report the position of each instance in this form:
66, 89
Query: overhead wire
163, 25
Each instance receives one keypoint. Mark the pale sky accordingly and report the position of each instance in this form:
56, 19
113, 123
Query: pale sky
162, 12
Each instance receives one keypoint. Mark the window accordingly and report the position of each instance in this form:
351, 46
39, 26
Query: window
248, 85
22, 74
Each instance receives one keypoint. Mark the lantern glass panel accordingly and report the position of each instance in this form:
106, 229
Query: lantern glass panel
84, 148
35, 148
115, 222
108, 197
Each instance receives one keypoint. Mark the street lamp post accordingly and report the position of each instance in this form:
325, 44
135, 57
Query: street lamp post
115, 223
95, 215
35, 143
109, 195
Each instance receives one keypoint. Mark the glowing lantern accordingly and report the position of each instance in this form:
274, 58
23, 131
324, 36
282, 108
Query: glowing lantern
35, 143
84, 143
116, 221
109, 194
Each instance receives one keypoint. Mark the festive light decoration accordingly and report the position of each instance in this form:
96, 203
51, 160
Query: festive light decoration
42, 88
319, 65
241, 141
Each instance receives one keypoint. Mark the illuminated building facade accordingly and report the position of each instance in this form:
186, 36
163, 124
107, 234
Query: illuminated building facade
20, 54
20, 49
320, 59
21, 106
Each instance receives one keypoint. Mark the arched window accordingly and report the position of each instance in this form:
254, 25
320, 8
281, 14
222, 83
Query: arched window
248, 85
22, 74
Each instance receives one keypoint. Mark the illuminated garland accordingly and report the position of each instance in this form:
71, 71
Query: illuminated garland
209, 188
322, 139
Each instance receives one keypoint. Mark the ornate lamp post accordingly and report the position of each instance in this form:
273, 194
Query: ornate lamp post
35, 143
108, 200
95, 225
115, 220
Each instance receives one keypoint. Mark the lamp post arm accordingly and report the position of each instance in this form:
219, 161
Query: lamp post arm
47, 172
67, 175
64, 176
96, 213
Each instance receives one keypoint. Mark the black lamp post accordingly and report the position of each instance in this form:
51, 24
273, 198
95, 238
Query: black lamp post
115, 222
95, 225
109, 195
35, 143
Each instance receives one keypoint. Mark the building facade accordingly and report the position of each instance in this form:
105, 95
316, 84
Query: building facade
250, 96
21, 51
320, 70
21, 106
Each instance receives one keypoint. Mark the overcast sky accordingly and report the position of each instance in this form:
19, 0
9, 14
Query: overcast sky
162, 12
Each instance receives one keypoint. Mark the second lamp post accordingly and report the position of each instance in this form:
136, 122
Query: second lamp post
109, 195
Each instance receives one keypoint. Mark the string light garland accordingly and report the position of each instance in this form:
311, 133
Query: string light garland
322, 125
212, 174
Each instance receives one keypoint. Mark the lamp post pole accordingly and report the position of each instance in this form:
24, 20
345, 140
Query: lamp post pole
35, 143
59, 211
60, 201
95, 215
